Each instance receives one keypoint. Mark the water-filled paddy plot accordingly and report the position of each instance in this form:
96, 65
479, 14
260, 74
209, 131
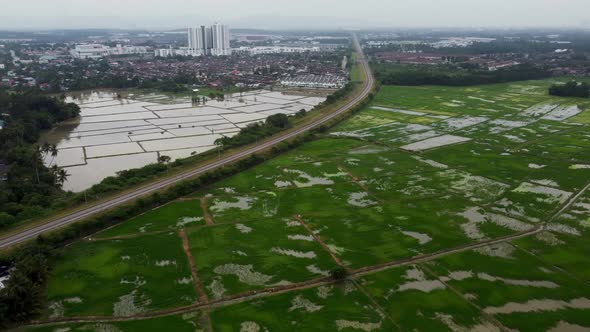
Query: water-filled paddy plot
132, 131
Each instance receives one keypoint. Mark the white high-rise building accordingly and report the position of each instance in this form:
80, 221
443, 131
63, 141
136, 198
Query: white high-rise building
212, 40
220, 36
196, 41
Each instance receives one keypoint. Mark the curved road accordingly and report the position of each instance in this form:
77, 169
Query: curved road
148, 189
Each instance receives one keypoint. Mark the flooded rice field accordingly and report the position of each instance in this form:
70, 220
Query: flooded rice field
115, 133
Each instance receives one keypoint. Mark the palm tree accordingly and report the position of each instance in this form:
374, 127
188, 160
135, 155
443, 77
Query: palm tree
62, 176
53, 151
45, 148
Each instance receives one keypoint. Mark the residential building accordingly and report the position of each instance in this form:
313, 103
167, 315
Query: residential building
164, 52
220, 40
212, 40
275, 49
315, 81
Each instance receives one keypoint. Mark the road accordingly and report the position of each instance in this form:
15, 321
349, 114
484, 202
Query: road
33, 232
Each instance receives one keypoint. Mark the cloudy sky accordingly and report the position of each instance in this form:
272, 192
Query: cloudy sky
19, 14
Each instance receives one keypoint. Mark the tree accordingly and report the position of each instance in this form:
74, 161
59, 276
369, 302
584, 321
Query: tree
278, 121
36, 160
52, 150
570, 89
62, 176
219, 144
163, 159
23, 296
339, 274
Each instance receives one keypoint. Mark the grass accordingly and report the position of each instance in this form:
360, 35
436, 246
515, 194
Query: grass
514, 277
329, 308
416, 309
356, 73
168, 217
116, 277
232, 259
568, 251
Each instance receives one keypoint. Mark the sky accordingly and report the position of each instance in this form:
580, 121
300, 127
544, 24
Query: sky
166, 14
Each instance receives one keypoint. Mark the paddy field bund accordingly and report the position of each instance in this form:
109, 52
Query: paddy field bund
453, 209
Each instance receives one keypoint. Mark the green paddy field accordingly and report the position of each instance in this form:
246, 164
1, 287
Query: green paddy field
452, 209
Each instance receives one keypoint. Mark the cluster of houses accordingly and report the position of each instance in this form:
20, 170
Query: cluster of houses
315, 81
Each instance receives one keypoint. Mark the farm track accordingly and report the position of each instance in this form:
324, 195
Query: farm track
31, 233
202, 296
206, 214
319, 240
354, 179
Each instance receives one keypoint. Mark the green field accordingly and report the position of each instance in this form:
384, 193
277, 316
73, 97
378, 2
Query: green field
405, 195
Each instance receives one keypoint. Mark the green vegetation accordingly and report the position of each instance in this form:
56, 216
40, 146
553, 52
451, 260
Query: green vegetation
339, 274
405, 291
27, 187
256, 131
236, 258
356, 73
327, 308
504, 274
570, 89
171, 216
120, 277
396, 74
23, 295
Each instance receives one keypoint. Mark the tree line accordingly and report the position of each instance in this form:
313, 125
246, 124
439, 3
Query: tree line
28, 187
394, 74
23, 295
570, 89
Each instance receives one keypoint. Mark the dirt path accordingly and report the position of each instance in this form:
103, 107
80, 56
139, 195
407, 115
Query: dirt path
569, 202
206, 214
354, 178
197, 283
320, 241
445, 252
